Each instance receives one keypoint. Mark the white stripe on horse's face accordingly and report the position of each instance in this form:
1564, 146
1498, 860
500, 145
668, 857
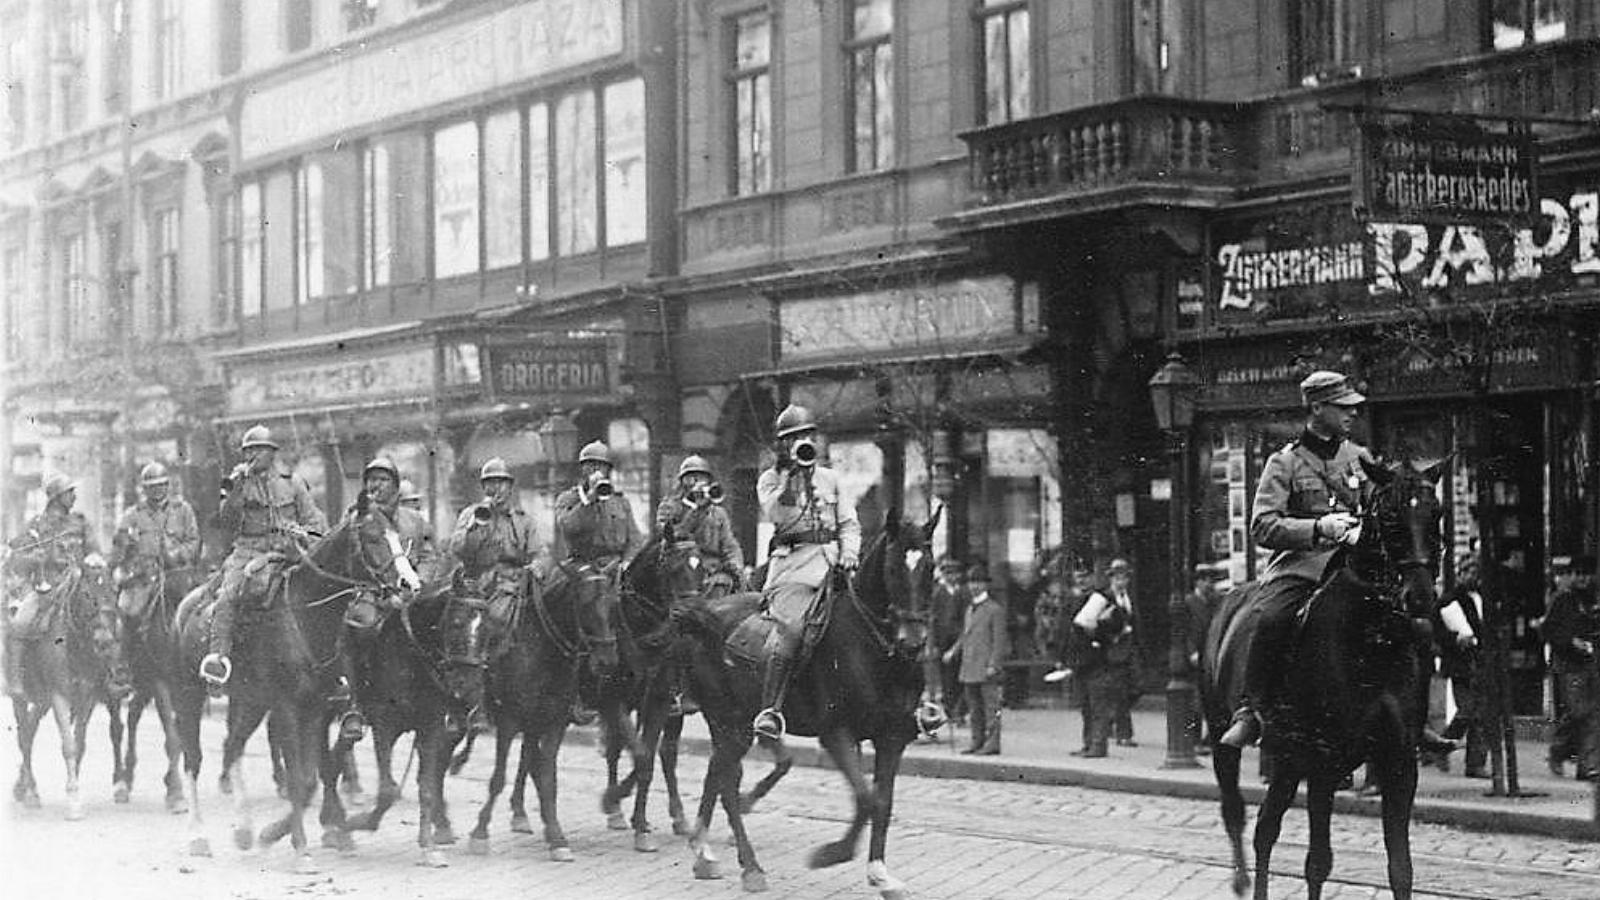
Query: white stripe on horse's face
402, 564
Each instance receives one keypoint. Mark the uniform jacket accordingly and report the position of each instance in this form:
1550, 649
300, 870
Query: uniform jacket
600, 531
1306, 479
156, 536
708, 526
1571, 618
416, 536
507, 537
983, 644
263, 503
53, 542
1454, 661
812, 521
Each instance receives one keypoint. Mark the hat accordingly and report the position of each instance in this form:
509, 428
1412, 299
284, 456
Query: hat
1578, 563
1119, 566
978, 572
1211, 571
1329, 387
950, 564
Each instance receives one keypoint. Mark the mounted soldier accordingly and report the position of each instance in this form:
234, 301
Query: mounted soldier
493, 541
270, 511
815, 531
156, 538
56, 543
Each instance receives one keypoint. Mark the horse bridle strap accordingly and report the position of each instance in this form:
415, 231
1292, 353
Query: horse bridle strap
571, 649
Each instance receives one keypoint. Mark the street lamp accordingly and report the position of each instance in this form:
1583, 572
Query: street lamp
1173, 390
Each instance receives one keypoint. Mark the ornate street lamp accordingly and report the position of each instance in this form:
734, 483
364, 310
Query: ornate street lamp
1173, 391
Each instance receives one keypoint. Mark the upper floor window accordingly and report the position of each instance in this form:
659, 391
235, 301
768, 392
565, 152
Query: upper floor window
325, 252
225, 225
1320, 38
750, 97
11, 276
869, 55
252, 249
168, 55
455, 200
230, 36
78, 317
16, 90
359, 14
622, 150
296, 25
1514, 23
393, 209
69, 39
114, 62
1007, 73
164, 274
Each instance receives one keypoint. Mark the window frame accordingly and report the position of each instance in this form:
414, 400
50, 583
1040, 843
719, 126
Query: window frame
165, 240
734, 78
852, 46
166, 58
982, 13
227, 227
1334, 17
73, 247
298, 28
1530, 24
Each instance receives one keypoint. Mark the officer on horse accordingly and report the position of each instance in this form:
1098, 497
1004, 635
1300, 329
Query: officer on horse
56, 542
269, 510
493, 540
815, 530
158, 536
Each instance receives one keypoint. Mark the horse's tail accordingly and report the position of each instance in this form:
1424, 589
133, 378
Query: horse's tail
1223, 654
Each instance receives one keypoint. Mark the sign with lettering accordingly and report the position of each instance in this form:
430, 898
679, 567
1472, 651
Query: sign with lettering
402, 374
461, 60
1440, 168
578, 367
942, 318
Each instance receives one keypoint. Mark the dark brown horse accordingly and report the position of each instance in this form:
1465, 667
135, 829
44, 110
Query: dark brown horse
862, 682
286, 660
75, 661
531, 688
151, 647
1351, 696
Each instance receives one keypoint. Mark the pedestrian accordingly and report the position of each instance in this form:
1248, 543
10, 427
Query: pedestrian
1458, 623
949, 604
1209, 586
981, 650
1572, 628
1124, 653
1106, 664
1080, 655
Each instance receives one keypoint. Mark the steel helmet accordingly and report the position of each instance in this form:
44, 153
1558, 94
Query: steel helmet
408, 490
56, 485
595, 451
381, 464
154, 473
695, 463
258, 436
495, 468
794, 420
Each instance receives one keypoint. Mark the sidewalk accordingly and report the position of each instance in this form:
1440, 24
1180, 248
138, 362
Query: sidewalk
1036, 743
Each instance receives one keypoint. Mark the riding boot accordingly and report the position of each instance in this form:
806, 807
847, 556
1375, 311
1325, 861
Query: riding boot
217, 667
352, 724
769, 721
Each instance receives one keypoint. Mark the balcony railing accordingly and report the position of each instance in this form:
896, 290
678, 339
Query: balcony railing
1143, 139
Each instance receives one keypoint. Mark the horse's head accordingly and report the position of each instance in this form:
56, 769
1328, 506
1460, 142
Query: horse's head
1400, 541
681, 569
599, 602
367, 547
462, 646
95, 605
897, 576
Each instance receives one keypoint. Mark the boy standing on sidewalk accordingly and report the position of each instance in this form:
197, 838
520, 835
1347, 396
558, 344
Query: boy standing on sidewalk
981, 649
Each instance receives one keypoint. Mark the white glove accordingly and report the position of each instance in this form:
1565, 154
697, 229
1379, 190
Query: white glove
1351, 537
94, 561
1335, 525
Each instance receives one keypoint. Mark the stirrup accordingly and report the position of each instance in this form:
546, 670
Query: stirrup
769, 723
223, 662
352, 726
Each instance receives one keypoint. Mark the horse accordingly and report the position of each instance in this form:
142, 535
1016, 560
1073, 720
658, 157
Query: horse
1352, 693
531, 688
289, 646
862, 681
75, 661
650, 584
150, 644
426, 674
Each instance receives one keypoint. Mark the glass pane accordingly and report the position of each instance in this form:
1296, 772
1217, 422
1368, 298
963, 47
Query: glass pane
379, 215
626, 212
576, 187
752, 41
250, 259
538, 181
401, 198
1549, 21
277, 216
883, 88
338, 223
994, 69
873, 18
502, 189
455, 200
311, 232
863, 109
1021, 66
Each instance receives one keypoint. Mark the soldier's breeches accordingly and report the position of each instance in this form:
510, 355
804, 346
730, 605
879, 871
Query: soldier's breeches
222, 616
1278, 601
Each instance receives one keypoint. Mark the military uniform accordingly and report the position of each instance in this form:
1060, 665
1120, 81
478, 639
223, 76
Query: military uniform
814, 528
265, 511
416, 538
487, 536
56, 542
153, 537
708, 526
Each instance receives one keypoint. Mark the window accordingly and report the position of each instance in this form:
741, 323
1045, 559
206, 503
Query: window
577, 193
870, 99
539, 195
67, 45
113, 280
11, 276
1515, 23
455, 200
230, 36
750, 95
226, 228
394, 212
74, 291
168, 53
1006, 70
1319, 39
16, 91
164, 274
252, 250
626, 207
502, 189
308, 199
359, 14
296, 25
114, 61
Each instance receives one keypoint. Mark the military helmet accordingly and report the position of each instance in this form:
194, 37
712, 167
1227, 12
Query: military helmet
695, 463
381, 464
408, 490
56, 485
794, 420
595, 451
495, 468
258, 436
154, 473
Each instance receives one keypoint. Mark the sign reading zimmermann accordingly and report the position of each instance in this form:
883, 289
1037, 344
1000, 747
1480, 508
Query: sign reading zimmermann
1427, 168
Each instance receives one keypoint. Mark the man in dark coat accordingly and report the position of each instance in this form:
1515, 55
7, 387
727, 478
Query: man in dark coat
1458, 623
1572, 628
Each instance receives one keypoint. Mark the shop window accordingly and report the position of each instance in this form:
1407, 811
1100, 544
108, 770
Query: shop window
1321, 35
455, 200
167, 48
1006, 69
626, 210
502, 189
393, 209
539, 194
869, 97
749, 78
1517, 23
252, 247
629, 440
164, 274
575, 184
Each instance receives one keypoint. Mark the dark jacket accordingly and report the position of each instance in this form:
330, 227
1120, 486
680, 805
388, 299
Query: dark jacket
1454, 661
1572, 617
708, 526
983, 644
601, 531
505, 536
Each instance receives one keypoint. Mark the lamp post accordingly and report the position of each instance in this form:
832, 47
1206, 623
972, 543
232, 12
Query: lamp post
1173, 390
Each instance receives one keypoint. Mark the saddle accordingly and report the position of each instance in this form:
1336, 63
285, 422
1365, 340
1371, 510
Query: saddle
264, 578
38, 613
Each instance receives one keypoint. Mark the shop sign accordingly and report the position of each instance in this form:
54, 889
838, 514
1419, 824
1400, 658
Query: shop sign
580, 367
465, 59
1536, 358
1257, 376
938, 319
1442, 168
403, 374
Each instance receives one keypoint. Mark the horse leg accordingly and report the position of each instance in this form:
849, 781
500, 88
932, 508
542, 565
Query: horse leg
782, 762
886, 768
614, 726
243, 720
706, 864
478, 840
541, 751
71, 752
1399, 795
188, 701
1320, 788
28, 715
519, 787
350, 776
1226, 762
845, 752
383, 739
652, 718
429, 744
161, 695
302, 760
121, 774
671, 732
331, 765
1269, 819
443, 832
751, 876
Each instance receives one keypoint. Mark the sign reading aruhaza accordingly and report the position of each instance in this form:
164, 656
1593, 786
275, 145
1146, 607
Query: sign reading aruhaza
1427, 168
550, 367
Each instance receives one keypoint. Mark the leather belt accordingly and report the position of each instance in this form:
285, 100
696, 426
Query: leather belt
809, 536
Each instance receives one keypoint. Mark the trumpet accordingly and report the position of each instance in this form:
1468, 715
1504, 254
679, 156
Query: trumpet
714, 493
804, 452
481, 514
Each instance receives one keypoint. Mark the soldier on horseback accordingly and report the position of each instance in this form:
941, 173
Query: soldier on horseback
56, 542
596, 536
155, 537
695, 516
493, 540
815, 531
270, 511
